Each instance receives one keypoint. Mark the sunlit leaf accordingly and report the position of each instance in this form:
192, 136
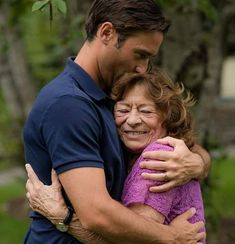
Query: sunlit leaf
61, 6
39, 5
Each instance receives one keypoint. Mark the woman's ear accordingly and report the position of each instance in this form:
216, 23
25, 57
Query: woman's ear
106, 32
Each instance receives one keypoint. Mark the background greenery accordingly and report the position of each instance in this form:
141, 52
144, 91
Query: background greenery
34, 47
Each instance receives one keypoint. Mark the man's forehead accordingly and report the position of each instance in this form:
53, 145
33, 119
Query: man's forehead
149, 42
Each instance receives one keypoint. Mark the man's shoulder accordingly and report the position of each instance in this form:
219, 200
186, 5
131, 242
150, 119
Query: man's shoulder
60, 91
62, 87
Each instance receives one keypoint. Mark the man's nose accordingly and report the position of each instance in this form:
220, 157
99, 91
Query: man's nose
142, 67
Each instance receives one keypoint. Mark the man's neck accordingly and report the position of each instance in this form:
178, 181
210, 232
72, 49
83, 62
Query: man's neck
87, 59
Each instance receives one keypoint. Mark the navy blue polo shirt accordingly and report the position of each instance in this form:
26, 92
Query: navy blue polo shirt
71, 125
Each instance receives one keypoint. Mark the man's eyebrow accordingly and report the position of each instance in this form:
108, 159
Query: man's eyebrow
146, 52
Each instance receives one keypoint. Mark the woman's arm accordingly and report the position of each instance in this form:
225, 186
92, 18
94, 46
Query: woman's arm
48, 201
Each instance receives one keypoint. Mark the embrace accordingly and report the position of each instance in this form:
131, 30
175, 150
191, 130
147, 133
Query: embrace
110, 142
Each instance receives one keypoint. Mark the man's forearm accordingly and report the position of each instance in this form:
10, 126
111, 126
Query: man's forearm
101, 214
130, 235
77, 230
205, 158
119, 224
84, 235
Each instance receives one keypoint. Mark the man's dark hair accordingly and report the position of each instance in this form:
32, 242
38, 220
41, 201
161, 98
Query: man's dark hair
127, 16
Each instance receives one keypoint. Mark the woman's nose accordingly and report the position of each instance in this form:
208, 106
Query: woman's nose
133, 118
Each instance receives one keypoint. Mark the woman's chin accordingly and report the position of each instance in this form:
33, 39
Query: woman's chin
135, 149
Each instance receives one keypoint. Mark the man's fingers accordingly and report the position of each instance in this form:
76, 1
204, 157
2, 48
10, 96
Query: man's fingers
187, 215
169, 140
164, 187
201, 236
155, 165
157, 155
31, 174
156, 176
199, 225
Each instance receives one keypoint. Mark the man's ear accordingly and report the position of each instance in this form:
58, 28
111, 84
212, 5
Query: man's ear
106, 32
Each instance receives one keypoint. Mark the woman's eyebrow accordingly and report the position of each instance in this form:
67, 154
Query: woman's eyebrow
146, 105
123, 103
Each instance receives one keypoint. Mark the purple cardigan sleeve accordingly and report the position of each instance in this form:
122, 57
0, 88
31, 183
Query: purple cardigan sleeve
136, 189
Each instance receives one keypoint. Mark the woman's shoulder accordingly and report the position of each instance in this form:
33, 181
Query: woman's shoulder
155, 146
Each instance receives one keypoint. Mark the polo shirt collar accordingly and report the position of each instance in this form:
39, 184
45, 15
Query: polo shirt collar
84, 80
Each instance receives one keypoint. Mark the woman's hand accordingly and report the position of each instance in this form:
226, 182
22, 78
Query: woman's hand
178, 167
45, 199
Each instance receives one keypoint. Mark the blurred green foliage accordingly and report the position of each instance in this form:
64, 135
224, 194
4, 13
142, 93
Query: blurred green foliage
206, 7
43, 46
13, 228
218, 195
10, 140
47, 44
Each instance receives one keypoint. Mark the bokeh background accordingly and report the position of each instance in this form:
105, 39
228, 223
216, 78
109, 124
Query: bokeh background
199, 50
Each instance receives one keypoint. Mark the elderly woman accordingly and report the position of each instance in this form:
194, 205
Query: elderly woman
148, 107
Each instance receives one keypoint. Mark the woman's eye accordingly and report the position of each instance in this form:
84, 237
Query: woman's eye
146, 111
122, 111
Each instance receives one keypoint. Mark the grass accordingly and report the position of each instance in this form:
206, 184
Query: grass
223, 194
12, 228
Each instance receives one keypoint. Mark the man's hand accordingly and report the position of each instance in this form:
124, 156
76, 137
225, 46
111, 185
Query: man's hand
47, 200
178, 167
187, 233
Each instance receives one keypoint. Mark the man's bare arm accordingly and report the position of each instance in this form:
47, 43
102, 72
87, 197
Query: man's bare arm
206, 164
131, 233
98, 212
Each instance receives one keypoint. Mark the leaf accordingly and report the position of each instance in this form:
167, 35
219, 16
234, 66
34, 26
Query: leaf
39, 5
61, 6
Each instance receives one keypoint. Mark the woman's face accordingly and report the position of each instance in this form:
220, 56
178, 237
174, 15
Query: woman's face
137, 119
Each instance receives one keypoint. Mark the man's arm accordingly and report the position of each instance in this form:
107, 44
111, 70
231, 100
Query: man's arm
206, 161
101, 214
178, 167
147, 212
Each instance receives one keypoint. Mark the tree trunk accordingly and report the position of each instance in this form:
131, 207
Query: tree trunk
17, 86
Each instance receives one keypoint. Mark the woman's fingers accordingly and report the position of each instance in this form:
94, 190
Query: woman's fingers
31, 174
54, 179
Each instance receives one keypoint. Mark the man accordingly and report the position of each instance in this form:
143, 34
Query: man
71, 129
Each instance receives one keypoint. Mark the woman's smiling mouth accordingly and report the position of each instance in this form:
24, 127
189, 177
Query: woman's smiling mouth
131, 132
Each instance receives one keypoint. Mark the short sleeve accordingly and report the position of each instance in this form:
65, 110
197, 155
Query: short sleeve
136, 188
72, 131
